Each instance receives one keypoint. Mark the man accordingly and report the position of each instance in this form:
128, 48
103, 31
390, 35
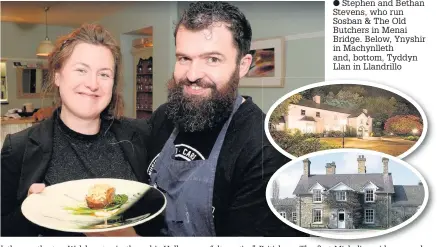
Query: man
210, 155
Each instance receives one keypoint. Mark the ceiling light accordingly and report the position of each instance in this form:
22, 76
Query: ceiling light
46, 46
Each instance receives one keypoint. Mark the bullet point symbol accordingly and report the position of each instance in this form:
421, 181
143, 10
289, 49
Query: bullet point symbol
336, 3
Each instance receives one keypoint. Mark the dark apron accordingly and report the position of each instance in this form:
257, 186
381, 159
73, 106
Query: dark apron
188, 187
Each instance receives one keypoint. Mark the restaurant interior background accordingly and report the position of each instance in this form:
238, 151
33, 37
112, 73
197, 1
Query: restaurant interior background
145, 32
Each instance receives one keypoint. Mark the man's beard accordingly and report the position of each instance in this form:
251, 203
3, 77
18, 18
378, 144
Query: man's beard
192, 113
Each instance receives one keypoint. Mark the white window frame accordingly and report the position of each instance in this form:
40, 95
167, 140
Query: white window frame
315, 196
365, 215
283, 214
314, 216
293, 216
366, 192
339, 196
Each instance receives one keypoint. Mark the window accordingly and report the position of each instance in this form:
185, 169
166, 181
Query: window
317, 196
317, 114
369, 216
302, 112
283, 214
341, 196
317, 215
293, 217
369, 195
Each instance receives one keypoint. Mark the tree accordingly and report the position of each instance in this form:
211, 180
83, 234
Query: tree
275, 189
282, 110
360, 90
402, 109
381, 109
345, 99
404, 125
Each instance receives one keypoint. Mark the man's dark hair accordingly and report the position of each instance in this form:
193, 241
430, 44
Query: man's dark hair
201, 15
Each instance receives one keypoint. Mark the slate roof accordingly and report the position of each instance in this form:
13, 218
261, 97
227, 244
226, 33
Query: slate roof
408, 195
286, 202
307, 118
354, 181
312, 104
356, 113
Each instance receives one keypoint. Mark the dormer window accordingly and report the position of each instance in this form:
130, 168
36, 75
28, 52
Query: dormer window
340, 196
369, 195
317, 195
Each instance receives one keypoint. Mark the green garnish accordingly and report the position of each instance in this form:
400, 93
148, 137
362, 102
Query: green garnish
119, 200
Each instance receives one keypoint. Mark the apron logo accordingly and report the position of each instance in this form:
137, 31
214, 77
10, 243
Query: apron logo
183, 152
187, 153
152, 165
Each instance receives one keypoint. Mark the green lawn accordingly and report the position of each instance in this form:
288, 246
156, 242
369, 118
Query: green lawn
393, 145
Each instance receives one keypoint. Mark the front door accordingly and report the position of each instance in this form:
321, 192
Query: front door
341, 219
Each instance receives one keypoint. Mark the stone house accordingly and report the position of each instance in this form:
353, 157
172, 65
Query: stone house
311, 116
362, 200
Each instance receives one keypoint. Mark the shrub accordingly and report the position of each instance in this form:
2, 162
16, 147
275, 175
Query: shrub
403, 125
298, 144
334, 133
411, 138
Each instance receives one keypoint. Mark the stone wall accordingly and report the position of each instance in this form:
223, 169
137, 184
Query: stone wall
401, 214
304, 210
381, 212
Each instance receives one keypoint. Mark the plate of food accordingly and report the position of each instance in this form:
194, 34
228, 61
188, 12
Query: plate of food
94, 205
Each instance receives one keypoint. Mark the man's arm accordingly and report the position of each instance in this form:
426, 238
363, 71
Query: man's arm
249, 213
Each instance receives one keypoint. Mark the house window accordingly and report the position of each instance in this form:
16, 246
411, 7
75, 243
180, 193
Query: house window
317, 215
317, 196
317, 114
369, 195
369, 216
293, 217
283, 214
302, 112
341, 196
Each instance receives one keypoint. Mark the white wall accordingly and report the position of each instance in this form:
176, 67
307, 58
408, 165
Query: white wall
324, 122
161, 16
19, 41
304, 57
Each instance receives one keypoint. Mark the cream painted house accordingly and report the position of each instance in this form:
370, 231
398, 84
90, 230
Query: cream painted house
311, 116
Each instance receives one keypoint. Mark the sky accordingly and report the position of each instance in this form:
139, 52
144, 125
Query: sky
346, 163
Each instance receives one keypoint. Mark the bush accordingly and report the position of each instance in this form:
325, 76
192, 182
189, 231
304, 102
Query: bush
298, 144
403, 125
411, 138
334, 133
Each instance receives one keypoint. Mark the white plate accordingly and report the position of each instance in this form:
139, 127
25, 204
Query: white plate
47, 209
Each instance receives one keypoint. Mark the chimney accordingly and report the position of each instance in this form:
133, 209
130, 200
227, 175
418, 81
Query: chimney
316, 99
306, 167
330, 168
385, 166
365, 111
361, 164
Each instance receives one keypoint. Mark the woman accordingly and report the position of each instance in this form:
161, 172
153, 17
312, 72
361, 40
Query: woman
85, 137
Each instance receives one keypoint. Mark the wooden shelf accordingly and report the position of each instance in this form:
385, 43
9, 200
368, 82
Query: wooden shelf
143, 74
